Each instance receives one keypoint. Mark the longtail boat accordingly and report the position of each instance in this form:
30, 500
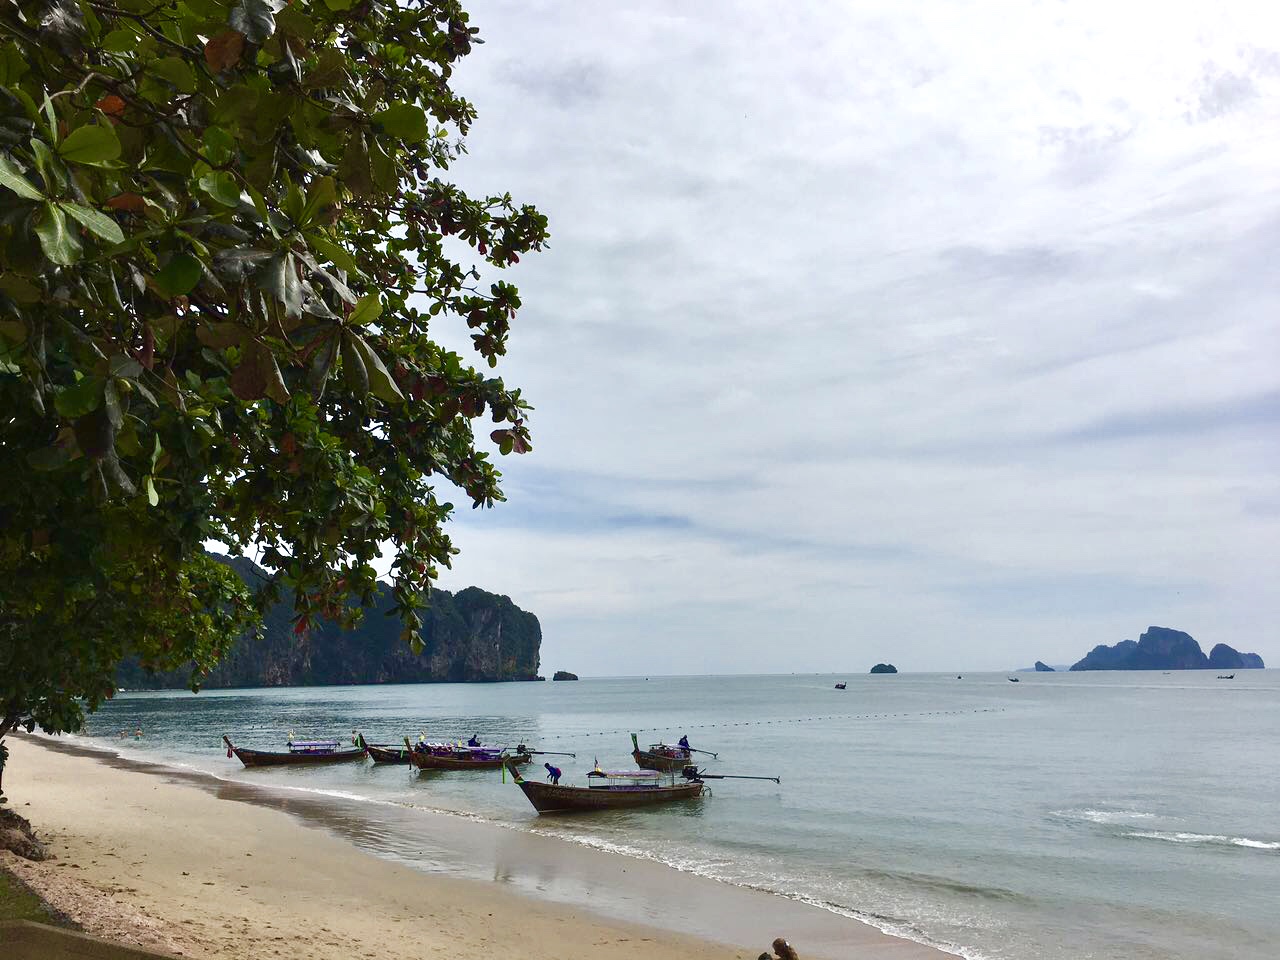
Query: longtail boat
383, 752
300, 752
663, 756
609, 790
452, 756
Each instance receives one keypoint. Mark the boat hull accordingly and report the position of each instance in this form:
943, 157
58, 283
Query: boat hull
380, 753
426, 761
656, 761
554, 798
267, 758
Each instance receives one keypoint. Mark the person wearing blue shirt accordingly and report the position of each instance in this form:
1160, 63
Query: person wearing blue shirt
684, 743
475, 740
553, 773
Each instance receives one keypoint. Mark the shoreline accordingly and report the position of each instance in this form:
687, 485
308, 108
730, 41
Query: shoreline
548, 897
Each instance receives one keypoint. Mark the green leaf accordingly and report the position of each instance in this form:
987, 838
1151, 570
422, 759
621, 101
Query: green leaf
179, 276
19, 289
149, 485
354, 166
120, 41
11, 177
405, 121
256, 19
91, 144
258, 376
338, 5
83, 398
176, 71
95, 222
383, 166
321, 195
368, 309
222, 187
335, 254
353, 368
218, 146
280, 278
380, 382
58, 243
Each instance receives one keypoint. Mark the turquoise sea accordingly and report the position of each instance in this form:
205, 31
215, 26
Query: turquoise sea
1117, 816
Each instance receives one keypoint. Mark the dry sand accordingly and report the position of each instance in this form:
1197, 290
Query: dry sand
150, 861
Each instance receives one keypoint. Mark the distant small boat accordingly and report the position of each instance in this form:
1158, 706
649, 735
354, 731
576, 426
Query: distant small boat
958, 677
840, 686
1013, 679
1226, 676
300, 752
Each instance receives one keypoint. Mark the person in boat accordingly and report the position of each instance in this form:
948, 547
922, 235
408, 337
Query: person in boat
553, 773
475, 740
684, 743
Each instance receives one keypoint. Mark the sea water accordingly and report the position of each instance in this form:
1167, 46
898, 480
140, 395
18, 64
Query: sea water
1117, 816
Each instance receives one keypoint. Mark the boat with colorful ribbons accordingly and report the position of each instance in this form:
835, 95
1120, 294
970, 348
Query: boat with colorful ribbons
300, 752
458, 756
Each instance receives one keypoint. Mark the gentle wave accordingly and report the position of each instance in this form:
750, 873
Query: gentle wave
1206, 838
1102, 816
891, 926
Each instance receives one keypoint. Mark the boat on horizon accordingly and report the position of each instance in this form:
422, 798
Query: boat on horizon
841, 686
1014, 679
299, 752
1226, 676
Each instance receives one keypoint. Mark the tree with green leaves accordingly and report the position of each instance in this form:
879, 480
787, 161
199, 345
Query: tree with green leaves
225, 236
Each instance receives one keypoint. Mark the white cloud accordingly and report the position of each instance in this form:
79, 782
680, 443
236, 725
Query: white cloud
939, 333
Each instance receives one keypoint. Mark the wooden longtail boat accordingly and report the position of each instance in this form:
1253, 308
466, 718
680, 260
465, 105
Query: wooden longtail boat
300, 752
660, 756
448, 756
383, 752
612, 791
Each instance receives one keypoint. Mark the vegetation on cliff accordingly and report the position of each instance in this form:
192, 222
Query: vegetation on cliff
472, 635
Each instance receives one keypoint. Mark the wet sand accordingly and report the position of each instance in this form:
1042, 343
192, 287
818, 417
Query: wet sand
200, 867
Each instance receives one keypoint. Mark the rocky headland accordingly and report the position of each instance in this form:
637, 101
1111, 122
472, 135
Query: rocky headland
1162, 648
471, 635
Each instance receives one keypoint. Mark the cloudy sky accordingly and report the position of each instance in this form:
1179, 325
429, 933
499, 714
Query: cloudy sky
941, 333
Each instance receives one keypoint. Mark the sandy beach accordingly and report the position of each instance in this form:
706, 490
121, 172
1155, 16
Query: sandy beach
184, 864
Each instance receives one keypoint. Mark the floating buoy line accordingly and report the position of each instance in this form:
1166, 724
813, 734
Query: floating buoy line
781, 720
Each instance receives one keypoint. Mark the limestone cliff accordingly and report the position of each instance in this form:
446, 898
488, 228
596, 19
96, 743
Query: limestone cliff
472, 635
1161, 648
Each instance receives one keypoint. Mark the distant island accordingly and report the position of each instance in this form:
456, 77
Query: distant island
471, 635
884, 668
564, 675
1162, 648
1042, 667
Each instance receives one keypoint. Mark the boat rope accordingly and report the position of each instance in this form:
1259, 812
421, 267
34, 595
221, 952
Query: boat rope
761, 723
